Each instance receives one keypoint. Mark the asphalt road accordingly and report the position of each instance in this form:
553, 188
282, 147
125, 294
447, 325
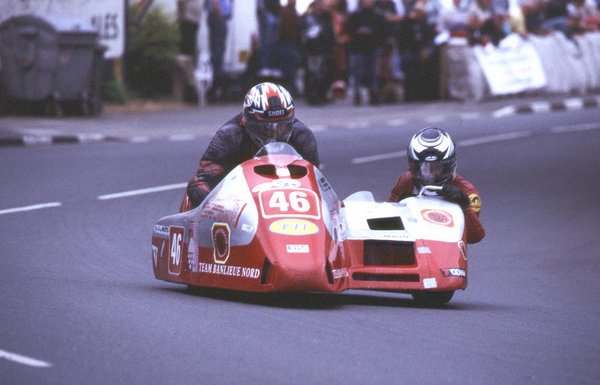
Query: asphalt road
80, 304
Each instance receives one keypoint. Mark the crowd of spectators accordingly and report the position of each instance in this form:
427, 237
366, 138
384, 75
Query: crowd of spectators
382, 43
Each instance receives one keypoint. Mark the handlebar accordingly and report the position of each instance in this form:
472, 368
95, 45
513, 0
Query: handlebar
431, 188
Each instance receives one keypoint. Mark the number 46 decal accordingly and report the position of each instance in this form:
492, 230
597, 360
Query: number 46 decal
175, 249
297, 203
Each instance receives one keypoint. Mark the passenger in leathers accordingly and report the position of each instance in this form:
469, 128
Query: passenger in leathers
432, 161
267, 116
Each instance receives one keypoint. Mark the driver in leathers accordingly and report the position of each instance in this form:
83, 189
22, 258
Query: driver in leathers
432, 161
267, 116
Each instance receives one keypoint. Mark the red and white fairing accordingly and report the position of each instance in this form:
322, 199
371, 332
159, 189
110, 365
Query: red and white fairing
416, 245
270, 225
275, 224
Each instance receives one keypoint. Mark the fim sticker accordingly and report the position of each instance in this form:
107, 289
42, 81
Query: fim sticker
220, 239
429, 283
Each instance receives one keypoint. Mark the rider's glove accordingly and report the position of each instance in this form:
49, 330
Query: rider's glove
453, 194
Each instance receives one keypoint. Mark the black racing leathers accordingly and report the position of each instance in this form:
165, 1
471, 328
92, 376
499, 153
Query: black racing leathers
231, 146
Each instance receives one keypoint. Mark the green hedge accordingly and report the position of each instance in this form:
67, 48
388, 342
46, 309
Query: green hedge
152, 47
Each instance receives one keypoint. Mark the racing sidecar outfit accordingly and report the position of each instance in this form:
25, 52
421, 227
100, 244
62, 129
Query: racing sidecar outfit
231, 146
405, 187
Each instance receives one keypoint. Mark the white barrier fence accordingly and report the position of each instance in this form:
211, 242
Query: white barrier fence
539, 64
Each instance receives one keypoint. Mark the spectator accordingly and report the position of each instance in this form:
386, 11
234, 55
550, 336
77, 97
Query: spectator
485, 23
268, 12
189, 13
366, 31
388, 58
318, 41
339, 14
419, 57
219, 12
533, 12
289, 45
583, 16
188, 16
453, 20
555, 17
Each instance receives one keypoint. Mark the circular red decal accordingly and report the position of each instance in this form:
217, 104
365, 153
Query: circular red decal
438, 217
220, 238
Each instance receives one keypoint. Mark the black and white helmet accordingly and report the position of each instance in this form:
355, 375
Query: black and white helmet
432, 157
269, 113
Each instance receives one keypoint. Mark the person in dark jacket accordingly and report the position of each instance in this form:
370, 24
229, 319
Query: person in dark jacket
268, 116
367, 32
432, 161
318, 41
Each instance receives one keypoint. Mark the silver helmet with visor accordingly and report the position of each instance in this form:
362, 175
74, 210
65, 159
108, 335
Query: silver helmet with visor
432, 157
269, 113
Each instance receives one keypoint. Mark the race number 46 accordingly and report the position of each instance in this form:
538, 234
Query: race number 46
176, 249
297, 203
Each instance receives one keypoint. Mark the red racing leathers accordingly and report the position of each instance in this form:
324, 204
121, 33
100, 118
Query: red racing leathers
231, 146
405, 187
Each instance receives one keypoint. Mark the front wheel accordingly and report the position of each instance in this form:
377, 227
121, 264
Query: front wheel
432, 298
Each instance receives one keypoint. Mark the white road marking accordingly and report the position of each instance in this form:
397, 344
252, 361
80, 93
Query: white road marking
396, 122
494, 138
541, 106
378, 157
30, 208
504, 111
181, 137
23, 359
142, 191
464, 143
576, 128
434, 119
574, 104
470, 115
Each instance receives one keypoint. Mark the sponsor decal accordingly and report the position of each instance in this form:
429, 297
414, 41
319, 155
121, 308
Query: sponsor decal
155, 254
277, 183
247, 228
282, 172
396, 236
229, 270
192, 255
162, 230
223, 210
291, 226
454, 272
475, 203
324, 184
275, 113
463, 249
423, 250
297, 203
176, 249
429, 283
297, 248
221, 236
340, 273
438, 217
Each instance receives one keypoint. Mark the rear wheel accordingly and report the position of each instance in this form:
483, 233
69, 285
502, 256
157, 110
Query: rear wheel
432, 298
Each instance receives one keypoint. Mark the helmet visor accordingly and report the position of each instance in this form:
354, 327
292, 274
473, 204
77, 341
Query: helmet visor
434, 173
267, 132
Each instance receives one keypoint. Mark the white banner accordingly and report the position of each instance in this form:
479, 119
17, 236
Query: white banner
105, 16
512, 67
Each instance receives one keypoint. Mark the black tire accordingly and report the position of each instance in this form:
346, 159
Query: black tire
432, 298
